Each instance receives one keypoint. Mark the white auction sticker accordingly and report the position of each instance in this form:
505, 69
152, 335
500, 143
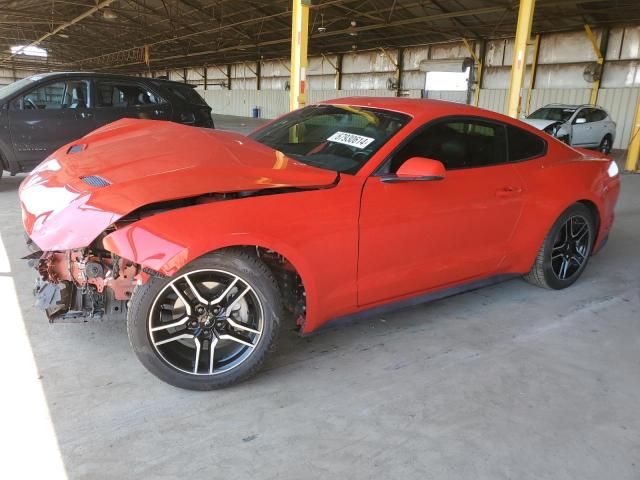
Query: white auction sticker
351, 139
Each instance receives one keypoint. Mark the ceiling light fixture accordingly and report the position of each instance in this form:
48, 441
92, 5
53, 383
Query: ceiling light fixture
322, 28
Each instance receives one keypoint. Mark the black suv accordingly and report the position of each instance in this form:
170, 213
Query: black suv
38, 114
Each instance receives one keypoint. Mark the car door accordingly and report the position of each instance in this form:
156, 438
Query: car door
116, 99
49, 116
582, 128
420, 235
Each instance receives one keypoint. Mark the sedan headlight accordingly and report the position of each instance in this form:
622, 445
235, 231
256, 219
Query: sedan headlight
613, 169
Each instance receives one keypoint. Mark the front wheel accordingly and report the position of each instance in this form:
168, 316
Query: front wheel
565, 251
605, 145
211, 325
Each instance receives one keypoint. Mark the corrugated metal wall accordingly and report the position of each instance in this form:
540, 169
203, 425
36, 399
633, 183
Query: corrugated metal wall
273, 103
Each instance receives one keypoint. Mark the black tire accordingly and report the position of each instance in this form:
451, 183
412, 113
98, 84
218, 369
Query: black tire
254, 273
544, 271
605, 145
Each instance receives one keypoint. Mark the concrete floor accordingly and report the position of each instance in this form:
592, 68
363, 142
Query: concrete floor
507, 382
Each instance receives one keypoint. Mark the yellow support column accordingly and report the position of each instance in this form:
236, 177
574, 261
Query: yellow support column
634, 144
299, 42
478, 66
523, 32
532, 74
595, 88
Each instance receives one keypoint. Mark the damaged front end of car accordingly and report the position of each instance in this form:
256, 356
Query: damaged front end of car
108, 183
84, 284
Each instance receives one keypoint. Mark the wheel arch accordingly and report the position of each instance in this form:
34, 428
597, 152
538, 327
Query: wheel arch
160, 256
595, 212
291, 283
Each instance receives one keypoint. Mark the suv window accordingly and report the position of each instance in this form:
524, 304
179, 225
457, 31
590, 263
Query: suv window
596, 115
185, 93
524, 145
122, 95
584, 113
64, 94
457, 144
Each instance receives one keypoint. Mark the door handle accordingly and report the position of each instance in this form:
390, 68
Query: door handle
508, 192
85, 114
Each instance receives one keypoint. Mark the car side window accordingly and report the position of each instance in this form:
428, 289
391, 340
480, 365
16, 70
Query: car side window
123, 95
56, 95
457, 144
597, 115
524, 145
585, 114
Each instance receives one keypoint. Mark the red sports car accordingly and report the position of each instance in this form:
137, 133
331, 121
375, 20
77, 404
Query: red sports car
208, 241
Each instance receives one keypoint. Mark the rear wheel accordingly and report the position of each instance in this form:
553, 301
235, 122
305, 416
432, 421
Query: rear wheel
565, 251
605, 145
211, 325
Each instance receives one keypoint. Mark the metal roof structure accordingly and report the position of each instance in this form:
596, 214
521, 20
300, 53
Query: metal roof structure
123, 34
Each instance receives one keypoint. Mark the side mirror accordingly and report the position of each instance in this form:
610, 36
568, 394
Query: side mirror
417, 169
580, 120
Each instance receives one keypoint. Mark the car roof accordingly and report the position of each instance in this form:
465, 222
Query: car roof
422, 107
575, 107
109, 75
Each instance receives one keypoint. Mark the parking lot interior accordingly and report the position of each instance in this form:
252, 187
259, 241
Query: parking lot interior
506, 381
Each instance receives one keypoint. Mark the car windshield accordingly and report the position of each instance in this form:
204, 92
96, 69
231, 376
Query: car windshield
559, 114
340, 138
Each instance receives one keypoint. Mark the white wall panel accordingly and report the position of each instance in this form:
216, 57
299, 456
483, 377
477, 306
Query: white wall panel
621, 74
369, 62
413, 80
413, 56
276, 68
321, 95
321, 65
494, 53
372, 81
570, 96
449, 50
570, 47
621, 104
321, 82
448, 95
561, 76
493, 99
631, 45
241, 102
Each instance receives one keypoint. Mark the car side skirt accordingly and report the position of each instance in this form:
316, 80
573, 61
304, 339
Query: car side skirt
412, 301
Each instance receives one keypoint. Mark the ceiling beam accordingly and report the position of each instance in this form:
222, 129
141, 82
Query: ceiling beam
79, 18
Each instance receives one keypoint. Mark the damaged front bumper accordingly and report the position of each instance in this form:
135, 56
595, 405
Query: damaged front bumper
81, 285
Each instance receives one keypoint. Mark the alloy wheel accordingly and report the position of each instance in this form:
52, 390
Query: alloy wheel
571, 247
206, 322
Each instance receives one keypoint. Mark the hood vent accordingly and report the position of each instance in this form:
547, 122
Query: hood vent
95, 181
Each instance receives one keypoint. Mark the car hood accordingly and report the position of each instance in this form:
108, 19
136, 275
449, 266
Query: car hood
538, 123
87, 185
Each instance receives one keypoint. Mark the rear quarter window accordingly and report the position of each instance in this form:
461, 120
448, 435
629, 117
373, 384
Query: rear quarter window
186, 94
524, 145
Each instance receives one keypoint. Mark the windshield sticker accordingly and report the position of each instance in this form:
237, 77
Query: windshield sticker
351, 139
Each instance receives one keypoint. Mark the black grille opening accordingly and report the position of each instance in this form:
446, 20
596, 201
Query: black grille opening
95, 181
